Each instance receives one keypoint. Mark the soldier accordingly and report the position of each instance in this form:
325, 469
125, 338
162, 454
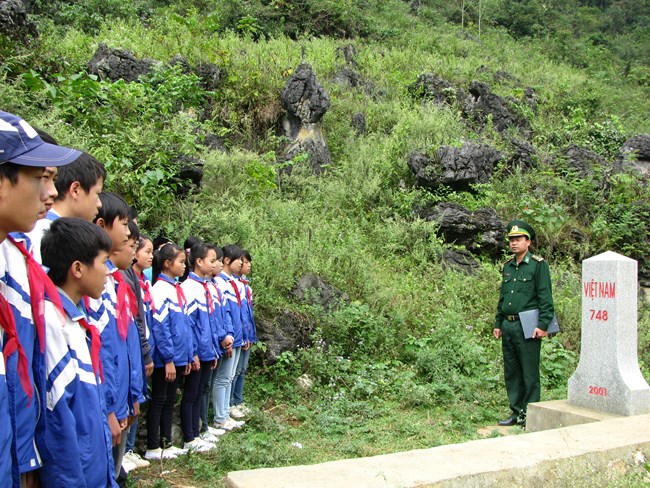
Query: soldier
525, 285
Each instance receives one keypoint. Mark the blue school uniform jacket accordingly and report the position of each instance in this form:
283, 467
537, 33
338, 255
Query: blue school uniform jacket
232, 303
25, 415
219, 329
77, 436
7, 466
170, 325
247, 312
201, 307
36, 235
114, 352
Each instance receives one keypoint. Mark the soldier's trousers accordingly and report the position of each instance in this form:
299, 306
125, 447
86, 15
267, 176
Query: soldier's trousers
520, 367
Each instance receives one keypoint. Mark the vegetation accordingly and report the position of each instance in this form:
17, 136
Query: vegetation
409, 362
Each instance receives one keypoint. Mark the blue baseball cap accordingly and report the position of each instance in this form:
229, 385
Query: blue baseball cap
21, 144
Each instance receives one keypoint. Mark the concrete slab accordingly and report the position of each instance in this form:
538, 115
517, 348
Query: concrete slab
549, 458
560, 413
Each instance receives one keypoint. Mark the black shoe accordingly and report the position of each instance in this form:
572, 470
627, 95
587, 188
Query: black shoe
510, 421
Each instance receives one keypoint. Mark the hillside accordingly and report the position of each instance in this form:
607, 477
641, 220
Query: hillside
405, 358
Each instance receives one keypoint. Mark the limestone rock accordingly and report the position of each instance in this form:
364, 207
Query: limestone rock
461, 261
359, 123
480, 232
582, 160
305, 101
287, 332
118, 64
636, 153
314, 290
456, 167
14, 23
487, 104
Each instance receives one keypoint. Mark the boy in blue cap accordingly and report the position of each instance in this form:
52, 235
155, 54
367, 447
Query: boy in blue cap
525, 285
27, 164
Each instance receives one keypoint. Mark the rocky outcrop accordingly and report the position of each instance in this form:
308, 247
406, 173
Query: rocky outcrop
488, 105
118, 64
305, 102
460, 260
635, 153
14, 23
581, 160
314, 290
430, 87
481, 232
359, 123
288, 332
456, 167
524, 156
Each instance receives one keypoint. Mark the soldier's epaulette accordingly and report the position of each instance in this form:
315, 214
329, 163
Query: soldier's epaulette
537, 258
506, 262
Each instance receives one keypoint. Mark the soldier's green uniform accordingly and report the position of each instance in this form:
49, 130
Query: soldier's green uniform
524, 286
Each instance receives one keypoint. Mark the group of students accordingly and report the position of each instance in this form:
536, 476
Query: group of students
83, 328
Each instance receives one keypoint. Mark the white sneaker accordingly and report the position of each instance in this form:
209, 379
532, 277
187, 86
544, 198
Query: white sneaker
243, 409
133, 458
128, 466
227, 425
239, 423
216, 432
207, 437
157, 454
176, 451
197, 445
235, 413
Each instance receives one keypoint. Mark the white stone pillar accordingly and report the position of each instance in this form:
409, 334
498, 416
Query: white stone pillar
608, 377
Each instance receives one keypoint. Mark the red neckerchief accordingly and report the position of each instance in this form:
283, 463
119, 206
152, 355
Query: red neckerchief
214, 285
236, 288
40, 285
12, 344
146, 288
126, 307
249, 294
182, 301
208, 294
95, 347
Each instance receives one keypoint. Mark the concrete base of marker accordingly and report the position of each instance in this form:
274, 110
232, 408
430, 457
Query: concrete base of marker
556, 458
560, 413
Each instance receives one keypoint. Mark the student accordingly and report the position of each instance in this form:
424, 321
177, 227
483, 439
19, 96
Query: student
135, 279
76, 426
220, 335
78, 186
172, 354
233, 320
27, 168
201, 309
113, 217
127, 303
189, 243
238, 409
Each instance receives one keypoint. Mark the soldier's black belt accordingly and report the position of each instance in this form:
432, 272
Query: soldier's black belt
512, 318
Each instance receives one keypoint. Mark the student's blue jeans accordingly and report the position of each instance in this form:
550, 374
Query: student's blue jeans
222, 385
130, 440
237, 394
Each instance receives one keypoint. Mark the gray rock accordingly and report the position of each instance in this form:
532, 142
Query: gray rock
304, 97
14, 23
456, 167
430, 87
524, 155
460, 261
481, 232
287, 332
209, 74
635, 153
348, 54
359, 123
118, 64
581, 160
305, 101
314, 290
488, 104
190, 174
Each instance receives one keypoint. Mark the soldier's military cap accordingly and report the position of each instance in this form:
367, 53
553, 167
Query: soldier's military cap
520, 228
